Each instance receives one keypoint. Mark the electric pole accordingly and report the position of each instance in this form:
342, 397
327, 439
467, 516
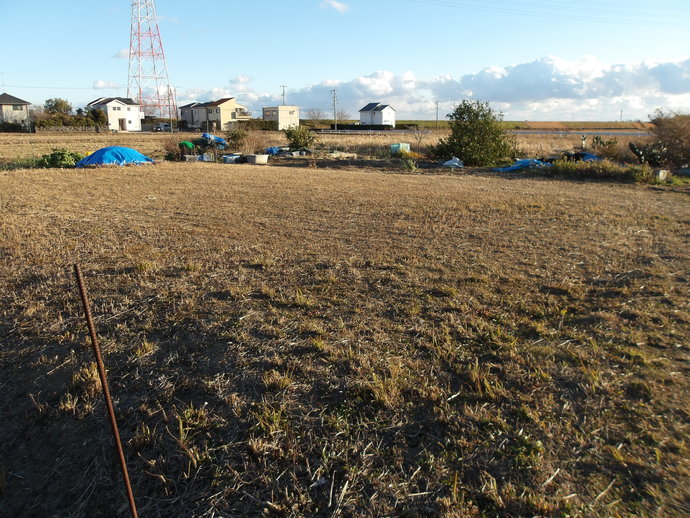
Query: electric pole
335, 117
283, 87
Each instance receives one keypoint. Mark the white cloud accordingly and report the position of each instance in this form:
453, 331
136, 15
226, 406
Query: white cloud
549, 88
334, 4
122, 54
99, 84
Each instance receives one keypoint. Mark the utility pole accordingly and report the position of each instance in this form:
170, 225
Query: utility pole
334, 93
437, 115
283, 87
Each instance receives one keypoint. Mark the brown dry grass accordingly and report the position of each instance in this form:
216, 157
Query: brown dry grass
320, 342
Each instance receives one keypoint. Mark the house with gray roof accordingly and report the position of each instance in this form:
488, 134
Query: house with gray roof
14, 110
377, 114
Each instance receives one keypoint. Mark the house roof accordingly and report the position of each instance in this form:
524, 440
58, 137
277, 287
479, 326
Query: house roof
213, 104
376, 107
107, 100
11, 99
189, 106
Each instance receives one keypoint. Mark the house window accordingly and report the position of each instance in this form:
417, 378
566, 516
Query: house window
17, 107
129, 109
217, 110
129, 122
210, 110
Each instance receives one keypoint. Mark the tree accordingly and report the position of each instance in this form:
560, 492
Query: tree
342, 116
476, 135
57, 105
98, 117
316, 116
672, 131
299, 137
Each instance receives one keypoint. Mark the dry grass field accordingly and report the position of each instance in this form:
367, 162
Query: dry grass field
342, 342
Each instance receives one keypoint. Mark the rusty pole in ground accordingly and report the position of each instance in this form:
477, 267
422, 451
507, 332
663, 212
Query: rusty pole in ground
106, 391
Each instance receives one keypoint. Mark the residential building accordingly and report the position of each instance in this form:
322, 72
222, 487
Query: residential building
285, 116
377, 114
122, 113
14, 110
214, 115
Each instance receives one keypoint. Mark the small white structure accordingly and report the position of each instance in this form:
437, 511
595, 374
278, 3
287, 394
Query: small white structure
285, 116
14, 110
377, 114
122, 113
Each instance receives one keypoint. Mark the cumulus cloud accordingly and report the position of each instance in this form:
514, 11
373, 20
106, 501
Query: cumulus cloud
122, 54
334, 4
99, 84
548, 88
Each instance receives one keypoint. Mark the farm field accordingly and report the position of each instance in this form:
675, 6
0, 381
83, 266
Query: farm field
341, 341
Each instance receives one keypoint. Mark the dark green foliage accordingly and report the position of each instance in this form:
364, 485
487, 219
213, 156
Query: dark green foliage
98, 116
652, 154
60, 158
300, 137
236, 138
57, 105
477, 137
12, 127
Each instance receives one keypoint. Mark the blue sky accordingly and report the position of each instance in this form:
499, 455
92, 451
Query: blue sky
531, 59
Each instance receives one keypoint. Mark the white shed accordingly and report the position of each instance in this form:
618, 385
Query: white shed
377, 114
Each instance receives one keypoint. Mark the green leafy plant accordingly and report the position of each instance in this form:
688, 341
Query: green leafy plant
60, 158
477, 136
300, 137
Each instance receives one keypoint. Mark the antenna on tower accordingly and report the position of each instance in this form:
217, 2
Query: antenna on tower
148, 82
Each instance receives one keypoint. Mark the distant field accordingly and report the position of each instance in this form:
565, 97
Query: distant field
342, 342
15, 146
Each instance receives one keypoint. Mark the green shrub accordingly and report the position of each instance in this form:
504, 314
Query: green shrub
300, 137
60, 158
236, 138
477, 136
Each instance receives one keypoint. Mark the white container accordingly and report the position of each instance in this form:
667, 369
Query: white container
231, 159
257, 159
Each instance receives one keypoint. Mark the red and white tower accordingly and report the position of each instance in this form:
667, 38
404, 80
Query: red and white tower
148, 82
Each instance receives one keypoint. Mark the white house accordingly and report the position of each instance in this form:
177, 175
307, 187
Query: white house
285, 116
122, 113
377, 114
14, 110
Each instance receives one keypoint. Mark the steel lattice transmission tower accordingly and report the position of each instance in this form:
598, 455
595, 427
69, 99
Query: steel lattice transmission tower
148, 82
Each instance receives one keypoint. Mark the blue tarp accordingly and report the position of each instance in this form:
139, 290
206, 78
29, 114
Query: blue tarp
220, 143
273, 150
525, 163
116, 155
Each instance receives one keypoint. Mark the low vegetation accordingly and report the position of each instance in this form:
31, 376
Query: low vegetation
343, 342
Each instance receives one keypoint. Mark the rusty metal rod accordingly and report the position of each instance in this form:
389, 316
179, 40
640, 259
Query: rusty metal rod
106, 391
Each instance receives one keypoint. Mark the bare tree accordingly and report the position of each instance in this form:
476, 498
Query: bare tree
342, 116
315, 116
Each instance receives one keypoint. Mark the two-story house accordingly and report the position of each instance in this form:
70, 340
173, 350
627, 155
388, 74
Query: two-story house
122, 113
14, 110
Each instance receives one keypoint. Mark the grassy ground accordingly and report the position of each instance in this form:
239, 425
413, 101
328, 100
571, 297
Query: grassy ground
343, 342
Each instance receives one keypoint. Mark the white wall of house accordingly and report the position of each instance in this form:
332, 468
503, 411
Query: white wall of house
15, 113
385, 117
285, 116
121, 116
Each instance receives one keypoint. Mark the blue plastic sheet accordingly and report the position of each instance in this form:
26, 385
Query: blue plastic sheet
274, 150
525, 163
116, 155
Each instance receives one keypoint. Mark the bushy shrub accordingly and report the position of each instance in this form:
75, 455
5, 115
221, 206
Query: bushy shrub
299, 137
477, 137
60, 158
12, 127
236, 138
672, 130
